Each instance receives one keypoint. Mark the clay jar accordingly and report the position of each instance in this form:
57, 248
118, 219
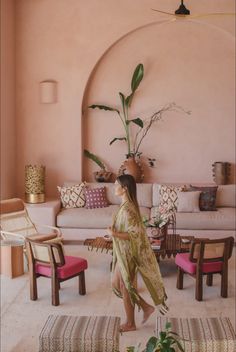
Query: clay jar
132, 167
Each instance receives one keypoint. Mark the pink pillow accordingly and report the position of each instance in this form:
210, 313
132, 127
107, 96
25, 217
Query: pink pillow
95, 198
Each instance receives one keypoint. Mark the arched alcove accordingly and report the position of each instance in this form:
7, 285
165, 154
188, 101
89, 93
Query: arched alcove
186, 62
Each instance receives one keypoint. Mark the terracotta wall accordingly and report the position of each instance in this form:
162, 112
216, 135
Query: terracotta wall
77, 44
8, 130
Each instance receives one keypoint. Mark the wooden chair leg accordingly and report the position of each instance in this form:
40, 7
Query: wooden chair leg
198, 289
180, 279
33, 285
82, 287
224, 284
55, 291
209, 279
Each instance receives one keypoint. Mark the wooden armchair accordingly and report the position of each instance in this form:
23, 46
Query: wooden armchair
206, 257
48, 260
16, 224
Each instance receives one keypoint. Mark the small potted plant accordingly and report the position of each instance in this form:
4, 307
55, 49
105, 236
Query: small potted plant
102, 175
167, 341
158, 222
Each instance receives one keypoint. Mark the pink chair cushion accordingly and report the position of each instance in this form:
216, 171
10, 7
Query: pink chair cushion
73, 266
182, 260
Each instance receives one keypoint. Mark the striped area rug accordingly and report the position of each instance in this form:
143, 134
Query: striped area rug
202, 334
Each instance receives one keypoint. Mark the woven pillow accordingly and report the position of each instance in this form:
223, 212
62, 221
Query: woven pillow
72, 196
169, 196
207, 199
95, 198
188, 202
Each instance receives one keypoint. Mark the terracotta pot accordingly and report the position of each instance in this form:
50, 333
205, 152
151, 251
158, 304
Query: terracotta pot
132, 167
102, 176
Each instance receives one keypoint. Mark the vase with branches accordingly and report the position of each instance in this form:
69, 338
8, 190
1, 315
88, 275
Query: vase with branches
143, 125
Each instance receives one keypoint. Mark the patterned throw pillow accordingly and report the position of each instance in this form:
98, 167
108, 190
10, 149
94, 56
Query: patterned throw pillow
169, 196
96, 198
72, 196
207, 199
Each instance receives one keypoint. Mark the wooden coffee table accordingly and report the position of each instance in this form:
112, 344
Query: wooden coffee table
170, 246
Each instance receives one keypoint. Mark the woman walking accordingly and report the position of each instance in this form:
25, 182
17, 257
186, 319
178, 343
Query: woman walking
132, 253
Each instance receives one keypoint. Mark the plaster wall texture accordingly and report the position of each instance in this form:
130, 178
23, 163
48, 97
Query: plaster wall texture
8, 124
78, 44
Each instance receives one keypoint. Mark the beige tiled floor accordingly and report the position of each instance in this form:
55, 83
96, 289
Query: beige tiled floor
22, 319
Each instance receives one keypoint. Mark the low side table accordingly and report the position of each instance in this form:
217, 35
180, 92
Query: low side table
12, 259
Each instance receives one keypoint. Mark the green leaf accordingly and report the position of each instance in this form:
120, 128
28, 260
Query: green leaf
162, 335
117, 139
168, 325
137, 77
138, 122
103, 107
95, 158
122, 98
151, 344
128, 100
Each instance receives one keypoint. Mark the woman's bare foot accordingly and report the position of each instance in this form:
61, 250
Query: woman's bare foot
147, 312
127, 327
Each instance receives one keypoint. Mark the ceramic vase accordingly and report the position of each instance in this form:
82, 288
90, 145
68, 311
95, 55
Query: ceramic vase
132, 167
221, 171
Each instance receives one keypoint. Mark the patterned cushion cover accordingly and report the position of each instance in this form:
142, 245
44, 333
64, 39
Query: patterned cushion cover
63, 333
96, 198
207, 200
73, 196
202, 334
169, 196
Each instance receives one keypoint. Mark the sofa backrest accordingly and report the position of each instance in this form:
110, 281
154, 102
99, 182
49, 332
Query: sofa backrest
144, 192
226, 196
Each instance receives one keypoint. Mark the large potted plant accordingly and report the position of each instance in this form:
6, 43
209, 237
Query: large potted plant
133, 145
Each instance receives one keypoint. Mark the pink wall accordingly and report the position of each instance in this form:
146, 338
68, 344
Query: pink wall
185, 62
8, 130
64, 43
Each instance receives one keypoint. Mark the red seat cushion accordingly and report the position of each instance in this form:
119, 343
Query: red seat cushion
182, 260
73, 266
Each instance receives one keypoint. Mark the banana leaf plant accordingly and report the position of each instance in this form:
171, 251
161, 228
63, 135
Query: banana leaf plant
123, 113
144, 125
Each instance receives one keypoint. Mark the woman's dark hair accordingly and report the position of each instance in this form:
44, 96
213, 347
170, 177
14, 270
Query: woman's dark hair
128, 182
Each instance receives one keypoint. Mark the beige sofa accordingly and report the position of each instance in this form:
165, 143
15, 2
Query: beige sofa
82, 223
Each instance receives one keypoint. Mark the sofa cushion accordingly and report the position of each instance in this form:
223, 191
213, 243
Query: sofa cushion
207, 200
96, 198
169, 196
222, 219
99, 218
72, 196
226, 196
188, 202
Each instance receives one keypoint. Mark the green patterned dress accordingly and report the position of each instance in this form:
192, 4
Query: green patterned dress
136, 255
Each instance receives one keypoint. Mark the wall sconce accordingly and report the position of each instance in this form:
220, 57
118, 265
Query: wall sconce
34, 183
48, 92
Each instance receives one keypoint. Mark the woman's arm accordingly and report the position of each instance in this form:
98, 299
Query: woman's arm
120, 235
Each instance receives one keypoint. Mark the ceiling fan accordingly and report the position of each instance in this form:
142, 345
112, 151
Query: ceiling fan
182, 11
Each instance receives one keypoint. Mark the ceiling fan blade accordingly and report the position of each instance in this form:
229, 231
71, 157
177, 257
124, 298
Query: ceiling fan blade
166, 13
213, 14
